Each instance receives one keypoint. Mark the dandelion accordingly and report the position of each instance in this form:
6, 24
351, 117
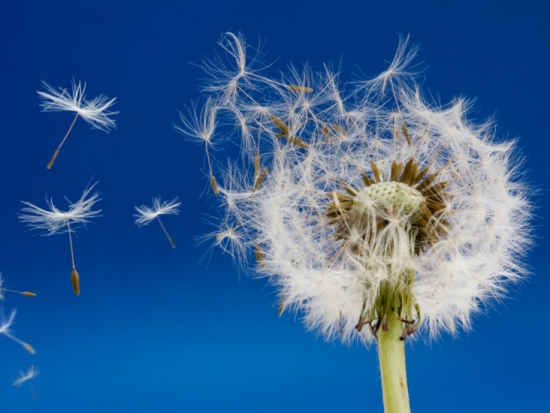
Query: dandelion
55, 221
201, 129
25, 293
5, 324
26, 377
145, 214
3, 290
5, 330
95, 112
380, 216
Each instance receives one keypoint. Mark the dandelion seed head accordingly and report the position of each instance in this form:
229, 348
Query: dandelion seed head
374, 201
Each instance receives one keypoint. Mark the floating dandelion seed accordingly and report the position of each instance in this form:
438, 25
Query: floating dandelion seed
201, 129
3, 290
95, 112
25, 293
379, 215
26, 377
5, 330
55, 221
145, 214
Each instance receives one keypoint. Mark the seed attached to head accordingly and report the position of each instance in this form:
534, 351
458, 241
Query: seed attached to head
406, 133
299, 89
259, 179
214, 185
259, 255
281, 308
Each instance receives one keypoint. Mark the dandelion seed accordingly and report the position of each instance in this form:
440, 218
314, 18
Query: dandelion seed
300, 89
201, 128
26, 377
3, 290
284, 129
281, 307
25, 293
259, 255
95, 112
214, 185
5, 330
145, 214
55, 221
410, 222
259, 179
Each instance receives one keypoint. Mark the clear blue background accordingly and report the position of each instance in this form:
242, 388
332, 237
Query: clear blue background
155, 329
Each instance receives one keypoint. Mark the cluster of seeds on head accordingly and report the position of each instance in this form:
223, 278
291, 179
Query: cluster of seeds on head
408, 192
349, 197
410, 197
400, 197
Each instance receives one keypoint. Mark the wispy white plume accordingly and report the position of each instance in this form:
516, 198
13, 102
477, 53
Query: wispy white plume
5, 329
95, 112
55, 221
23, 377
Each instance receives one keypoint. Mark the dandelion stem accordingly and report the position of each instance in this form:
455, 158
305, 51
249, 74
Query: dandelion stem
166, 232
52, 160
391, 353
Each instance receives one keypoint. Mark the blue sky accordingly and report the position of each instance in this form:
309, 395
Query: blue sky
157, 329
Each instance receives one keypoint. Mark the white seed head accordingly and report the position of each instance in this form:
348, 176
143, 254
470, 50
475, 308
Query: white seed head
369, 193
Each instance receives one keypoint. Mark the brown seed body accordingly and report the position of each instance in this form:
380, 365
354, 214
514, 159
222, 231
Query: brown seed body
75, 281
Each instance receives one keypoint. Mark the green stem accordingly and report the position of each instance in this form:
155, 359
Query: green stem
391, 352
